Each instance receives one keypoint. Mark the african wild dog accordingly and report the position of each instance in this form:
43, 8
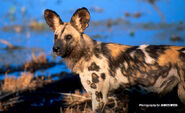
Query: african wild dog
103, 67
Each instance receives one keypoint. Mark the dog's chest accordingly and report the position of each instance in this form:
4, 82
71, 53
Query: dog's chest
96, 75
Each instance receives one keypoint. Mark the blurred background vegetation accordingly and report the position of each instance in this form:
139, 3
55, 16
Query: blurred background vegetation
26, 41
120, 21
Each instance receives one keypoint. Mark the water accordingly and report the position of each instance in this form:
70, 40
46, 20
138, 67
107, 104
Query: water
108, 24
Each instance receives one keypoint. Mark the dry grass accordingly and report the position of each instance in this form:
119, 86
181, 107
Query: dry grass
85, 110
11, 84
25, 81
21, 87
77, 102
76, 98
81, 103
76, 110
40, 59
38, 26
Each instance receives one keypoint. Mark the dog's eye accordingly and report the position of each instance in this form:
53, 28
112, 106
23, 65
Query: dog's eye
68, 37
55, 37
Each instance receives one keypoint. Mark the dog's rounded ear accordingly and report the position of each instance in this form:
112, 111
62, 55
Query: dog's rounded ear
52, 19
80, 19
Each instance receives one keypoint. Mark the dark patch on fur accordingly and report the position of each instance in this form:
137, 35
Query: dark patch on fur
131, 49
139, 55
112, 62
183, 49
136, 71
97, 51
100, 108
98, 96
182, 55
125, 56
88, 82
62, 31
134, 63
103, 76
55, 36
155, 51
93, 85
87, 54
164, 71
93, 67
95, 78
143, 81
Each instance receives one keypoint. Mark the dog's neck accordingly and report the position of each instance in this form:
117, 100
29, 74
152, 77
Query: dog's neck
80, 54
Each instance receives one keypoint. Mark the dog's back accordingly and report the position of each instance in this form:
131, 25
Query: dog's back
156, 68
159, 68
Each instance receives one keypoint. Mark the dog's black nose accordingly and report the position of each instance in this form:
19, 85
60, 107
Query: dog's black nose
56, 49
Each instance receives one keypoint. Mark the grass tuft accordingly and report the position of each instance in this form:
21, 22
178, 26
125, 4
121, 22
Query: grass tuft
13, 84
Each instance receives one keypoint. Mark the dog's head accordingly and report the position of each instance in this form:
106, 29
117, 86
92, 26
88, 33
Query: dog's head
67, 36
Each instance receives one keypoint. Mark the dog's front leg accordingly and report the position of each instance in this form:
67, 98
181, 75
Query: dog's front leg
97, 103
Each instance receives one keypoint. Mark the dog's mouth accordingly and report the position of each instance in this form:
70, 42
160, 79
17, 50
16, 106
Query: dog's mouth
57, 53
62, 54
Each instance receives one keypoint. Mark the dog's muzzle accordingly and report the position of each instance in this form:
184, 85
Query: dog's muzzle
56, 49
61, 52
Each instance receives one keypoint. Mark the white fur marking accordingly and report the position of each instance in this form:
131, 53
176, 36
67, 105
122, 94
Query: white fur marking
125, 64
120, 77
132, 54
142, 47
148, 59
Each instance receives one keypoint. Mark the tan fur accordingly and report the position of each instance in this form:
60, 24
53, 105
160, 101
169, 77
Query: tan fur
56, 21
79, 66
171, 56
116, 49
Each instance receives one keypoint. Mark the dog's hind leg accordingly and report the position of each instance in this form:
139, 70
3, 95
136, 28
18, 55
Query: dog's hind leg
181, 85
181, 92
